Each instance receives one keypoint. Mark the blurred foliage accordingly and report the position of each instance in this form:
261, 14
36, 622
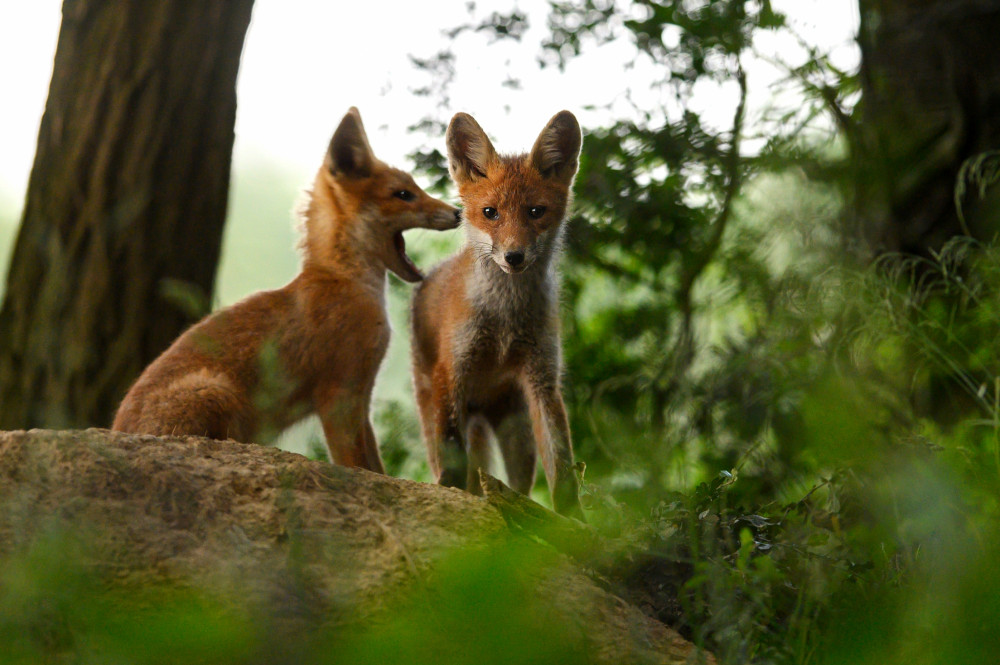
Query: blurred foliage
8, 225
399, 440
259, 246
54, 609
477, 607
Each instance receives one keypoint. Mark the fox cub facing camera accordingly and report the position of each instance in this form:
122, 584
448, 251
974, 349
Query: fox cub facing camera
313, 346
486, 348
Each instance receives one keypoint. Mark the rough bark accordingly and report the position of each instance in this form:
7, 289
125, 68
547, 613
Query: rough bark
930, 81
122, 225
242, 521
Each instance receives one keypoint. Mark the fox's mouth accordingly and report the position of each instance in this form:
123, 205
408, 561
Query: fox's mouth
405, 268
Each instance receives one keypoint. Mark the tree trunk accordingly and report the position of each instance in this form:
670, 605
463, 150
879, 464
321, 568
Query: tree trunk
930, 81
123, 220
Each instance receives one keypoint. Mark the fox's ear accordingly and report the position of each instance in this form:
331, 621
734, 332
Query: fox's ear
469, 149
556, 153
350, 154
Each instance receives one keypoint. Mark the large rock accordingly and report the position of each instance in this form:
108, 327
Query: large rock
309, 541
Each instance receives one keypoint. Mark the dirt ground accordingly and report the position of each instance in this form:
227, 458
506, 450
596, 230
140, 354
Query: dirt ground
303, 537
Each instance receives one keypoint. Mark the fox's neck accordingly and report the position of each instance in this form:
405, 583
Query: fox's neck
334, 243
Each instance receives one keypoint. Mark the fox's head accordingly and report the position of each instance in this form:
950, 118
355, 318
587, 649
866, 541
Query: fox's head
514, 205
372, 203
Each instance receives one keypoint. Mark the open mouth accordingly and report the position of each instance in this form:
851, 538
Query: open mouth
406, 269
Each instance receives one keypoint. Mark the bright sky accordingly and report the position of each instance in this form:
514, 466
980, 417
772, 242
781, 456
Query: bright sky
306, 61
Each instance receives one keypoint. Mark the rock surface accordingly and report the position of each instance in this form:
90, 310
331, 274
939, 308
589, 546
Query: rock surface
297, 535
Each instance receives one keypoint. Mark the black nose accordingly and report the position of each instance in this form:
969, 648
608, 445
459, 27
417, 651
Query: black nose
514, 258
458, 216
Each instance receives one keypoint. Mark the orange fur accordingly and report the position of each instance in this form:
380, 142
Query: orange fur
486, 349
251, 370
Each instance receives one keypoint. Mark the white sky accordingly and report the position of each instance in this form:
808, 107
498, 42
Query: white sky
306, 61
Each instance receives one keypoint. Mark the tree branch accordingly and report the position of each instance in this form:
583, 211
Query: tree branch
569, 536
681, 358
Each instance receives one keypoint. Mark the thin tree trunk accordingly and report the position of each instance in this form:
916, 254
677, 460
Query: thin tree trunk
123, 220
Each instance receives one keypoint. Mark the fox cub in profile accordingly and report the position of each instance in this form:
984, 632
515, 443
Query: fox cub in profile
486, 348
253, 369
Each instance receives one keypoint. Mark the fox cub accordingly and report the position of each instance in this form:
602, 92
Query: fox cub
486, 348
315, 345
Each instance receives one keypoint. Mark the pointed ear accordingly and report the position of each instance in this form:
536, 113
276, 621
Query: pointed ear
469, 149
349, 154
556, 153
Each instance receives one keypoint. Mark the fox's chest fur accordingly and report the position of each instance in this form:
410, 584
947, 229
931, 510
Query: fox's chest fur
514, 319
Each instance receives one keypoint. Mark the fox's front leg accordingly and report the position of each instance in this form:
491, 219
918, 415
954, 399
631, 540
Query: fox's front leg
370, 445
349, 436
551, 428
439, 415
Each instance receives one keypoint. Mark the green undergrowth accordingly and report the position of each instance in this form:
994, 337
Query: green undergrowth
476, 606
842, 488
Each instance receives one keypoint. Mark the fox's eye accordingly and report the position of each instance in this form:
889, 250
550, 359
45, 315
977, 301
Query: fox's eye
490, 213
535, 212
404, 195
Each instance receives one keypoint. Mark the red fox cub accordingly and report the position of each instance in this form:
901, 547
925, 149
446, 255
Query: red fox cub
253, 369
486, 349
